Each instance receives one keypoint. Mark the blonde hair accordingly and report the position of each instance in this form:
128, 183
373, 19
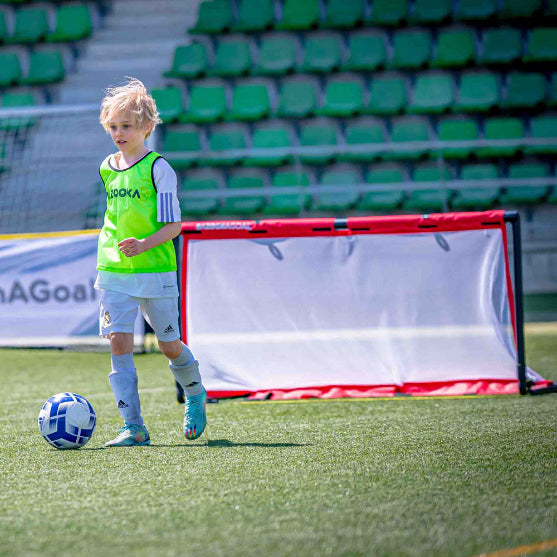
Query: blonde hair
134, 98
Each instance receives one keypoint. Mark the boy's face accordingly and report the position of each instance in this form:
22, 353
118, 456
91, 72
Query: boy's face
127, 134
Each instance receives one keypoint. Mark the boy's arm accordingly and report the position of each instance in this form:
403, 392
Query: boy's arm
132, 246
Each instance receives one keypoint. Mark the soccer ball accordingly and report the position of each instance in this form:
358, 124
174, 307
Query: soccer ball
67, 421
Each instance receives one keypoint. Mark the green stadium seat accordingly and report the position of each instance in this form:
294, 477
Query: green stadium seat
45, 66
185, 141
16, 99
225, 137
73, 23
524, 90
298, 16
360, 132
411, 48
345, 14
551, 7
322, 52
213, 17
476, 9
344, 96
542, 45
3, 27
207, 103
189, 61
169, 103
383, 200
433, 93
289, 203
244, 205
205, 179
387, 94
31, 25
297, 98
346, 176
501, 46
387, 12
432, 11
552, 197
321, 133
270, 135
457, 128
255, 15
504, 127
476, 198
409, 129
542, 127
429, 200
10, 69
277, 55
232, 58
526, 195
552, 98
367, 51
478, 92
250, 101
519, 8
456, 46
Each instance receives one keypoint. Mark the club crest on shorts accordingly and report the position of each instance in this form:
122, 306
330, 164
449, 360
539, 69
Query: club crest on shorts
106, 321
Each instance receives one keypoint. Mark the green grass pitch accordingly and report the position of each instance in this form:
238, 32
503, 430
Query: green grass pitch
396, 477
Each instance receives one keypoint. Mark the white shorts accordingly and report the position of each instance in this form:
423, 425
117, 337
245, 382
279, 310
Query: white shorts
118, 313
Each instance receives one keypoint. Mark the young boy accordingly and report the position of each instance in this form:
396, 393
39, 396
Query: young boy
136, 261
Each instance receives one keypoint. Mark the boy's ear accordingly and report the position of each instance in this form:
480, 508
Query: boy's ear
148, 127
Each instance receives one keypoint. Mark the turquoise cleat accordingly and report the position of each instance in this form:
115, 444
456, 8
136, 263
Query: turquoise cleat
131, 435
195, 417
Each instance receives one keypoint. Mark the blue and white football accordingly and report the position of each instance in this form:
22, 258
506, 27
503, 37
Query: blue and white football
67, 421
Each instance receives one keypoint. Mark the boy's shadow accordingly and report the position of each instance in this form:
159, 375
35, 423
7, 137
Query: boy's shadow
213, 443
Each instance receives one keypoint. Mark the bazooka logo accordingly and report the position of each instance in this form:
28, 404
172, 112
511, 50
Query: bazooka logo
123, 192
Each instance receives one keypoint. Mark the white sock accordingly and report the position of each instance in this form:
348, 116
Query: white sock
185, 369
123, 381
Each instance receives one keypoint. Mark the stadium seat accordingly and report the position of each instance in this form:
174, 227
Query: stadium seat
501, 128
542, 45
476, 9
182, 141
387, 94
321, 133
205, 179
255, 15
250, 101
322, 52
73, 23
289, 203
169, 103
269, 135
207, 103
359, 133
213, 17
3, 27
411, 48
345, 176
552, 98
501, 46
409, 129
383, 200
541, 127
10, 69
277, 55
189, 61
524, 90
367, 51
223, 137
432, 11
526, 195
457, 128
478, 92
519, 8
387, 12
244, 205
476, 198
429, 200
232, 58
31, 25
45, 66
344, 96
298, 16
456, 46
433, 93
10, 100
345, 14
297, 97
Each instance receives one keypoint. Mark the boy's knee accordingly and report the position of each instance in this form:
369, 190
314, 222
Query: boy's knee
171, 349
121, 343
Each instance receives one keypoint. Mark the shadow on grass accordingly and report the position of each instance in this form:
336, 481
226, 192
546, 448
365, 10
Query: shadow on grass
211, 443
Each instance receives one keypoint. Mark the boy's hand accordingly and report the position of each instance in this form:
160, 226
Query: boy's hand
131, 246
